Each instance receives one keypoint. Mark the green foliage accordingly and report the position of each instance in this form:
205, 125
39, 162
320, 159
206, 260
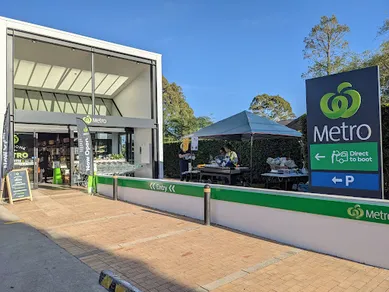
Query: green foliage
262, 149
178, 117
273, 107
326, 47
384, 28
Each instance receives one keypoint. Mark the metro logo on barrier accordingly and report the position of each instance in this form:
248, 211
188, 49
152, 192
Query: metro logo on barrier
355, 212
344, 110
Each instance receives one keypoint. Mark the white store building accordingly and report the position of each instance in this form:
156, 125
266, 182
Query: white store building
50, 77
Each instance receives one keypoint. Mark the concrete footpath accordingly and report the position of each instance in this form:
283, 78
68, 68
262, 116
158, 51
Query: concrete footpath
29, 261
160, 252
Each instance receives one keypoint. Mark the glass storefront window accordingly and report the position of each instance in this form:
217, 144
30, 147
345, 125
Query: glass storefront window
24, 153
45, 74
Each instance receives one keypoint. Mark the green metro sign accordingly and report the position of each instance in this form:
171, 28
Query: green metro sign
344, 134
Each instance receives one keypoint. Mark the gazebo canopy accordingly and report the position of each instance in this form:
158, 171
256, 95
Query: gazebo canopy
246, 125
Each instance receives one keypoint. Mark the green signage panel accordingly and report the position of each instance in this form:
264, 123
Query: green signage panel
345, 156
344, 134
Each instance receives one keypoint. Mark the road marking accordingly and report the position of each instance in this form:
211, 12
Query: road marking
244, 272
90, 221
147, 239
13, 222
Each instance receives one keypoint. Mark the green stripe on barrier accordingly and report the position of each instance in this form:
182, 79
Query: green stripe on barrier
369, 212
179, 189
104, 180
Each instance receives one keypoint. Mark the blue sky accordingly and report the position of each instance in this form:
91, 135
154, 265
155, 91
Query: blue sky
222, 53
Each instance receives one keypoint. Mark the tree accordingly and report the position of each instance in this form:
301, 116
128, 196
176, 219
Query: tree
326, 47
273, 107
204, 121
384, 28
379, 58
178, 117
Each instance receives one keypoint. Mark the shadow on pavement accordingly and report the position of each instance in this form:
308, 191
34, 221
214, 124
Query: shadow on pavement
30, 261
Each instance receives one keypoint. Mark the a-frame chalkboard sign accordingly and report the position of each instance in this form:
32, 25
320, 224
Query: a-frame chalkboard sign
18, 185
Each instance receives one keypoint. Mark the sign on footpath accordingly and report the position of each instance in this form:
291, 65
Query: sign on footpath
344, 134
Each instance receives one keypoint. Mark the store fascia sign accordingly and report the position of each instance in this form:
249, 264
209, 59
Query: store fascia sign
344, 133
21, 151
89, 120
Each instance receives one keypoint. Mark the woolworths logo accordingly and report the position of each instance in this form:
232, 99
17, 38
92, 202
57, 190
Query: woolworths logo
357, 212
340, 107
87, 119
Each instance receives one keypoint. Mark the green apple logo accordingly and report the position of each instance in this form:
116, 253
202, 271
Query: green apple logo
340, 107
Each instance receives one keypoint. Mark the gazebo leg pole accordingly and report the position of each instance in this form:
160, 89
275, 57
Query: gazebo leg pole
251, 160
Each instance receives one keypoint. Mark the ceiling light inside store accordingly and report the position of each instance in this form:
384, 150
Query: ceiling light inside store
119, 82
54, 77
106, 84
23, 72
69, 79
39, 75
81, 81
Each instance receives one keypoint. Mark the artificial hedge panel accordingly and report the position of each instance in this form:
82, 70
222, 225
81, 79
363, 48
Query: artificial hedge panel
262, 149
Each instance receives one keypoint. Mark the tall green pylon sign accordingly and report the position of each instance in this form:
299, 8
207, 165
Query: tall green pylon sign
344, 134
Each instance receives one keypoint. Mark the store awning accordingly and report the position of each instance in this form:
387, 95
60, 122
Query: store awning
245, 125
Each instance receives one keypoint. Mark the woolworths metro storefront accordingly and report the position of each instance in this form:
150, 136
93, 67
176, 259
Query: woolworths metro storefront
49, 78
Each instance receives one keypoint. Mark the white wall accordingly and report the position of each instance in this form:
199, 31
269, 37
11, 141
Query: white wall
134, 101
359, 241
178, 204
160, 115
143, 140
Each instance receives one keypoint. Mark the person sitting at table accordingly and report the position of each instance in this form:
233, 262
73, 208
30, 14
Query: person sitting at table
222, 152
184, 162
231, 156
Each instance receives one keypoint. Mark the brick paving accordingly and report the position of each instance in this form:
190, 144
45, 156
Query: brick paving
158, 252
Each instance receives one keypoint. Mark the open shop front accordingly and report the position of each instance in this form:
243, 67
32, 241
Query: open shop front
51, 156
57, 77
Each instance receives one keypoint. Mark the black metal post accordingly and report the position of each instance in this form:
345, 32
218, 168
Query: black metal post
251, 159
207, 205
115, 188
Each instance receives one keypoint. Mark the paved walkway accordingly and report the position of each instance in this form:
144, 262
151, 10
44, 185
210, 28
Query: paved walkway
160, 252
29, 261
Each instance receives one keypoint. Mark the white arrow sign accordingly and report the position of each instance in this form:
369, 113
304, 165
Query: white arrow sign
336, 180
152, 186
171, 188
318, 156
